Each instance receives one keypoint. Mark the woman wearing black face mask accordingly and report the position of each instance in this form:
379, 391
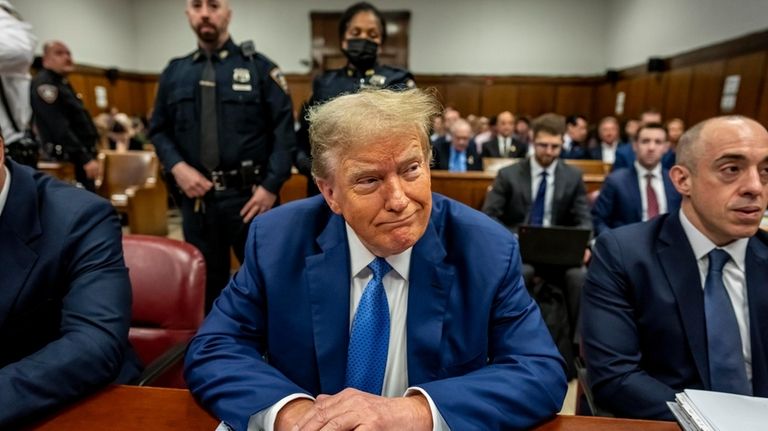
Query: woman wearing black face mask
362, 31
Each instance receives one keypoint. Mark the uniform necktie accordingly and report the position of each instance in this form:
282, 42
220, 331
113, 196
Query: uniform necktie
726, 361
537, 212
650, 194
369, 336
209, 135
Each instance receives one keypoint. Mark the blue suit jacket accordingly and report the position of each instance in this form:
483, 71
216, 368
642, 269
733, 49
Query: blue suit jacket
476, 341
619, 202
643, 325
625, 158
65, 296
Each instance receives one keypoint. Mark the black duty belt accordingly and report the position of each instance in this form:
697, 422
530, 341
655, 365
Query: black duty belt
227, 180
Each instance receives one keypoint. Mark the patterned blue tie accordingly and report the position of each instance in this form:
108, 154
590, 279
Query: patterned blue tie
369, 337
726, 361
537, 212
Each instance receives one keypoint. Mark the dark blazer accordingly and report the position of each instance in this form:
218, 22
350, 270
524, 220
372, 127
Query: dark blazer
65, 296
595, 150
491, 148
471, 328
442, 155
509, 200
643, 325
620, 203
625, 158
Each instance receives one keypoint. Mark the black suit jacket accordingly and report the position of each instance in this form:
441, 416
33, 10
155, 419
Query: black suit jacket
65, 296
491, 148
509, 200
643, 324
442, 155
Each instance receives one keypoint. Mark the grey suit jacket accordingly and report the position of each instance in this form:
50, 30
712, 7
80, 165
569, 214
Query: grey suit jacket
509, 200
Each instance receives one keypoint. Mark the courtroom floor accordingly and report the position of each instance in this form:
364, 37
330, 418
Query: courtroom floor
174, 231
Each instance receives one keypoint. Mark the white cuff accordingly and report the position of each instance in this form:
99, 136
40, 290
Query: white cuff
438, 423
265, 419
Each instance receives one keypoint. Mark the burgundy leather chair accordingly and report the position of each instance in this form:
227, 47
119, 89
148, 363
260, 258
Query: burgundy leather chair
168, 279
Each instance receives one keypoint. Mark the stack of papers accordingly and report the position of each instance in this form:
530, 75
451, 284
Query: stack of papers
697, 410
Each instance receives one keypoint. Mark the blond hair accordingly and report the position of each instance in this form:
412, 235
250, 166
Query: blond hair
359, 119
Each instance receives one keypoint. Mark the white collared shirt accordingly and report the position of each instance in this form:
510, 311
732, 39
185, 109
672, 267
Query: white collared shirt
505, 144
396, 373
536, 170
5, 190
609, 152
567, 142
734, 278
657, 183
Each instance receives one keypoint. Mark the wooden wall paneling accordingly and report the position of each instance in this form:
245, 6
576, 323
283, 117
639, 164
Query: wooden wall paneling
677, 93
654, 91
497, 98
605, 100
300, 87
78, 83
575, 99
92, 81
706, 89
128, 96
751, 68
762, 110
463, 95
432, 83
536, 99
150, 92
635, 102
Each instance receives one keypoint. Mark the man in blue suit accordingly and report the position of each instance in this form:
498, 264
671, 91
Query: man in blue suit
378, 304
65, 296
680, 301
641, 191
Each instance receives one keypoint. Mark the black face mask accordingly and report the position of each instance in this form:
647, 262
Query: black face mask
361, 53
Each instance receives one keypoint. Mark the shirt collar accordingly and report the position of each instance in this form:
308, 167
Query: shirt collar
642, 172
228, 49
360, 257
536, 168
702, 245
5, 190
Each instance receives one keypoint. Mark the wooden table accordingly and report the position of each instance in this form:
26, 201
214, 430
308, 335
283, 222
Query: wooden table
132, 408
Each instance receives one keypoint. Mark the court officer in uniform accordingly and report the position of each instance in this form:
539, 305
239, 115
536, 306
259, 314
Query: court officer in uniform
362, 32
223, 128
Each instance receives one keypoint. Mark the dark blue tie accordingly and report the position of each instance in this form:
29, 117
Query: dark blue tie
537, 212
726, 361
369, 336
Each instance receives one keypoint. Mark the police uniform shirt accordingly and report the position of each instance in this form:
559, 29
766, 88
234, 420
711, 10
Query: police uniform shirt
61, 117
349, 80
254, 114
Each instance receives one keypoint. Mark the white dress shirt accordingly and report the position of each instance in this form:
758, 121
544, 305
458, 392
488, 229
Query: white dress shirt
5, 190
396, 374
17, 50
536, 170
504, 145
609, 152
657, 184
734, 278
567, 142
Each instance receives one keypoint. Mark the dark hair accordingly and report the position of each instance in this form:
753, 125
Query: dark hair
523, 119
356, 8
652, 126
571, 120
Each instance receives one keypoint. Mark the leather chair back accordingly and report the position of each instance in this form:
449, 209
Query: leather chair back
168, 279
122, 170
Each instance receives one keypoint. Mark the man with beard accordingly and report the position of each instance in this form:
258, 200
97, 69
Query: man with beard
362, 31
223, 127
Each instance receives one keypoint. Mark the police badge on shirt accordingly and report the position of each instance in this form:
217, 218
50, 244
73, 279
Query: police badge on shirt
241, 79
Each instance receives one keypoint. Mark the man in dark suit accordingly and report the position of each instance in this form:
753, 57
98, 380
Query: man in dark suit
641, 191
625, 154
541, 190
65, 296
680, 301
575, 137
404, 309
607, 144
504, 143
459, 153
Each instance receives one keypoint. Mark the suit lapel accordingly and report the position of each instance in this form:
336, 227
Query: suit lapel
757, 280
328, 278
682, 272
634, 199
428, 288
19, 226
558, 194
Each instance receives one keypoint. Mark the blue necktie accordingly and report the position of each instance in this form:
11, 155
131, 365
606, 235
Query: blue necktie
537, 212
726, 361
369, 337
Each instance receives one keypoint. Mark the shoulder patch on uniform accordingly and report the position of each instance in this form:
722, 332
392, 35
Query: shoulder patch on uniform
279, 78
49, 93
